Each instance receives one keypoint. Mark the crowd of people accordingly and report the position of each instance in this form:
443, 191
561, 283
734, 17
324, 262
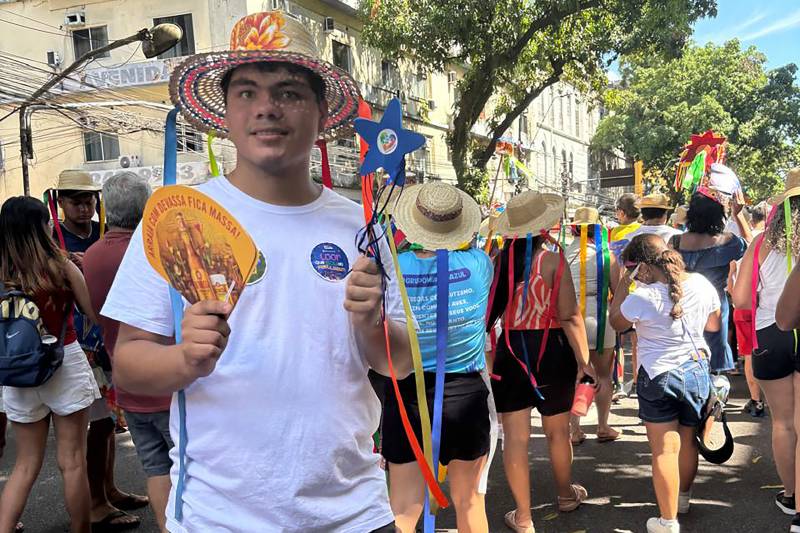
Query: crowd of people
278, 408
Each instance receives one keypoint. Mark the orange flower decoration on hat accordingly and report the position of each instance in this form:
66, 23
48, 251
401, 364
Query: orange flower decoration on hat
261, 31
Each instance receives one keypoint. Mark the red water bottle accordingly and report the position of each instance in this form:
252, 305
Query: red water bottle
584, 395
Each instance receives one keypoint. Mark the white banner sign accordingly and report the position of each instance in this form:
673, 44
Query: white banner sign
130, 75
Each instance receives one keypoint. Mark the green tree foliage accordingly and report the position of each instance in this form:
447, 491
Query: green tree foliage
660, 103
514, 49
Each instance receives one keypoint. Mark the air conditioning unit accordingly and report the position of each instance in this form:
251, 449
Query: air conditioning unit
279, 5
129, 161
53, 58
431, 104
451, 77
77, 18
329, 25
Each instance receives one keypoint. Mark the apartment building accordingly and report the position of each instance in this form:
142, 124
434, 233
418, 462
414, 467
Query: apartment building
116, 104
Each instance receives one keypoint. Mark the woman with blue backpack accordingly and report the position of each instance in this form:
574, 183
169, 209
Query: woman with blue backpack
43, 370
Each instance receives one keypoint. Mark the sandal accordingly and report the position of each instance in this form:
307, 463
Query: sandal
511, 523
566, 505
116, 521
131, 502
608, 437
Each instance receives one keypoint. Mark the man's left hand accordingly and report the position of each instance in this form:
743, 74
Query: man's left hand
364, 293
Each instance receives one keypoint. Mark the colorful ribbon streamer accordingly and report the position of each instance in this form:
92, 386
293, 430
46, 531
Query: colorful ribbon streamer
603, 259
787, 219
416, 355
327, 180
582, 283
442, 315
212, 159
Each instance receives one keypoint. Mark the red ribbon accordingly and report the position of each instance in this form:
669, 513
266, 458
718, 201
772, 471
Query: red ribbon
327, 180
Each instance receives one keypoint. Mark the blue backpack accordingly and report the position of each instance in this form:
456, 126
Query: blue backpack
29, 356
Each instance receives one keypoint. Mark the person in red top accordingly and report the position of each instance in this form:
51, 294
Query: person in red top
30, 261
125, 196
528, 308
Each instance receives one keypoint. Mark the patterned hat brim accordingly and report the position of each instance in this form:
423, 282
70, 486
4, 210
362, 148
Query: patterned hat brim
195, 87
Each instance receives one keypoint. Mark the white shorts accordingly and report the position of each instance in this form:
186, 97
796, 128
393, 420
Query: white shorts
609, 338
71, 389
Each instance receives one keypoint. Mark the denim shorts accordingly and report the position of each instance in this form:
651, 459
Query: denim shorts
679, 394
150, 434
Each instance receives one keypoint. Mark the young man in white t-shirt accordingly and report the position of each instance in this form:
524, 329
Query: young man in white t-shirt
279, 411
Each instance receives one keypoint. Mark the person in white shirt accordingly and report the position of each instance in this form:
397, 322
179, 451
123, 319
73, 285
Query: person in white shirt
279, 411
670, 308
655, 210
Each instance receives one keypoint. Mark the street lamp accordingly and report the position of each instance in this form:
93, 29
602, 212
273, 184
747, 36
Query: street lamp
154, 41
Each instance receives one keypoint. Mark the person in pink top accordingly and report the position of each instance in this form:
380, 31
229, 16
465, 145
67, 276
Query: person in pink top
148, 416
533, 316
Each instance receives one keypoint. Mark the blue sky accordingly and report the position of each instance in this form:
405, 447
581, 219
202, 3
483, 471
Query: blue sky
772, 26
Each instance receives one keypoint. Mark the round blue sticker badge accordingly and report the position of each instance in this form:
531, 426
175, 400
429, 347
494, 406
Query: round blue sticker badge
330, 261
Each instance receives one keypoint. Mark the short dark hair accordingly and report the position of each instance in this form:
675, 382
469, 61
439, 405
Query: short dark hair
705, 215
758, 212
314, 79
649, 213
627, 204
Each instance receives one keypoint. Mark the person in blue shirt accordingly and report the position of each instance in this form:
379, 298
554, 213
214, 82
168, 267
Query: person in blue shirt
437, 216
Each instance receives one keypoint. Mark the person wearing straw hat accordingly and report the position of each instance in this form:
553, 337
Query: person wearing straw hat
438, 216
542, 352
654, 208
774, 355
278, 427
78, 197
582, 257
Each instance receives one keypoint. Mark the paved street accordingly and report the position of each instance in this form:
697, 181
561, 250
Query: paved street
736, 497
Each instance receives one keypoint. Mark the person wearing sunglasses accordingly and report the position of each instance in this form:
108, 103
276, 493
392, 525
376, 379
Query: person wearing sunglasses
671, 309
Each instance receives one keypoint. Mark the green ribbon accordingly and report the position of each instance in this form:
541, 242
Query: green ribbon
787, 219
211, 157
695, 172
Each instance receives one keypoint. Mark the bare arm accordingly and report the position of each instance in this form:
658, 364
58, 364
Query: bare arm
714, 322
150, 364
738, 215
742, 297
371, 342
80, 291
615, 317
787, 315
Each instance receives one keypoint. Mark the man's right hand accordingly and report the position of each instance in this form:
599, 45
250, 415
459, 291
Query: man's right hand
205, 335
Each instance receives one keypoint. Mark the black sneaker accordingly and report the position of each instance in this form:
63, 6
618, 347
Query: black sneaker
795, 524
757, 410
785, 503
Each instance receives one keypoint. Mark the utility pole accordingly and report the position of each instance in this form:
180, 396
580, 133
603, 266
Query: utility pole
155, 41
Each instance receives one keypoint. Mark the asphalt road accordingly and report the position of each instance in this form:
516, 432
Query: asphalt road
735, 497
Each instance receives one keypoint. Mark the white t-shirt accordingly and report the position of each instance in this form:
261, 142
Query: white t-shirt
663, 343
663, 231
280, 434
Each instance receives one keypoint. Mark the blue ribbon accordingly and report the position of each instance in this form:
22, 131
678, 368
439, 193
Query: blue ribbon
170, 178
442, 315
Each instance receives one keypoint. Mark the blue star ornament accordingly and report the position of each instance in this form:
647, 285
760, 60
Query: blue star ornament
388, 143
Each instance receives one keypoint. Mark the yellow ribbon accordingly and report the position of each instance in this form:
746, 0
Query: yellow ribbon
416, 355
102, 218
584, 243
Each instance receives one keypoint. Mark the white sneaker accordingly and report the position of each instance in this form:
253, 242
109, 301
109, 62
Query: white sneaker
684, 501
657, 525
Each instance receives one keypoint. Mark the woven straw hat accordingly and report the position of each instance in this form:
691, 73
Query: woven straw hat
437, 216
76, 180
269, 36
655, 201
530, 212
585, 216
790, 189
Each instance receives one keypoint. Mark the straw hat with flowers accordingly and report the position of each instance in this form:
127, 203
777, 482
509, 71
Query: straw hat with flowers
437, 216
274, 36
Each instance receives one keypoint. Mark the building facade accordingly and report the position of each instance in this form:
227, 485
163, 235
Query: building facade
110, 114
